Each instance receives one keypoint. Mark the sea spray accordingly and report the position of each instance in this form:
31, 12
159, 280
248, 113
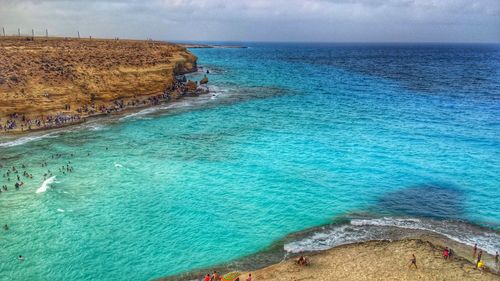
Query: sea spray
46, 184
359, 230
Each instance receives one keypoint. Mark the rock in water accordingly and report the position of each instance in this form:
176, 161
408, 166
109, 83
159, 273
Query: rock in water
204, 80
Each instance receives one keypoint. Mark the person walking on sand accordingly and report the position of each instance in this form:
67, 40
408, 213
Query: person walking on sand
249, 277
496, 260
479, 256
474, 251
413, 261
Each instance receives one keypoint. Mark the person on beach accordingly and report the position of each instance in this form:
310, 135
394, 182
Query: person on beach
302, 261
413, 261
479, 256
446, 253
496, 260
480, 265
249, 277
207, 277
450, 254
474, 251
215, 276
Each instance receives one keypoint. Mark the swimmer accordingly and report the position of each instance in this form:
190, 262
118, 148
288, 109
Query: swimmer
5, 227
20, 258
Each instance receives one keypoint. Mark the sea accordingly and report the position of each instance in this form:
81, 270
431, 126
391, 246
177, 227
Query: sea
298, 147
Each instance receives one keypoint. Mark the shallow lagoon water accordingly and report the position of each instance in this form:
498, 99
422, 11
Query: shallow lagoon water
292, 137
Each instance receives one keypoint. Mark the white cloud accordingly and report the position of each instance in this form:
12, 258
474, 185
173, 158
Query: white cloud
294, 20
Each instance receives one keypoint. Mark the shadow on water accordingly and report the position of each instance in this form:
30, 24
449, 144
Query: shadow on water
428, 200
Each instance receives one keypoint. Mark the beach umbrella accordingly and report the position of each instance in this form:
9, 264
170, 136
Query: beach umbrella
231, 276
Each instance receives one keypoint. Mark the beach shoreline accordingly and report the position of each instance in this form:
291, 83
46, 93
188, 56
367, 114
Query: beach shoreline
377, 260
275, 263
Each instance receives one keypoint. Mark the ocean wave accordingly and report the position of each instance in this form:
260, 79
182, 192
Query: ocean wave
140, 113
46, 184
359, 230
24, 140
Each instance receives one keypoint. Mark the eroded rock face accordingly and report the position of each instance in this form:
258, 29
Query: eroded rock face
54, 75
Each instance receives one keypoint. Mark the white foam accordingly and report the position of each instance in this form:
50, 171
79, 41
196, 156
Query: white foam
489, 241
46, 184
117, 165
60, 210
24, 140
376, 229
140, 113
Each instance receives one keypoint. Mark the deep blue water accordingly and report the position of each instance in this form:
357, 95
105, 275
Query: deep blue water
292, 136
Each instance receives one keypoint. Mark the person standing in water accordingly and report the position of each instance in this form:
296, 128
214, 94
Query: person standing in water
496, 260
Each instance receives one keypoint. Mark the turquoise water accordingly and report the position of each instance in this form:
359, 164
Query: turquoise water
292, 137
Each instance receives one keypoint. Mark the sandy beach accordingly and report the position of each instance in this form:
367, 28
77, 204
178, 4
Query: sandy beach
376, 260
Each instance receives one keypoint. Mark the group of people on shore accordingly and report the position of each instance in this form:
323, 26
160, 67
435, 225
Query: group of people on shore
216, 277
477, 256
17, 121
479, 261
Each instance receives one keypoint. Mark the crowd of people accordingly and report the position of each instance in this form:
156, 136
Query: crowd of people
21, 122
216, 277
17, 121
13, 174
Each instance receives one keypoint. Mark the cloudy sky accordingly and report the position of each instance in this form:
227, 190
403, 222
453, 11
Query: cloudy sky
261, 20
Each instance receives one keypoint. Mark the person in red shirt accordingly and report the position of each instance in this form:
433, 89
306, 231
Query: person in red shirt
446, 253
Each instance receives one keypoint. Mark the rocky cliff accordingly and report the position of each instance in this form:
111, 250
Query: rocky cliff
81, 77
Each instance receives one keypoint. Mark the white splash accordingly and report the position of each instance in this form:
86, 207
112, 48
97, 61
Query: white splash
377, 229
46, 184
24, 140
118, 165
60, 210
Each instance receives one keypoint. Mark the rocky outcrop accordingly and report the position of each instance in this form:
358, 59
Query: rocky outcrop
79, 78
204, 80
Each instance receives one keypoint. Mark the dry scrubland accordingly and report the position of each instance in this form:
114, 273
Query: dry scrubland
56, 75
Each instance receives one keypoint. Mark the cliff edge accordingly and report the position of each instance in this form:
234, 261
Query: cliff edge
47, 82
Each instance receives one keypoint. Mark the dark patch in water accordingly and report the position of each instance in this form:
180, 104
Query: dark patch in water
430, 200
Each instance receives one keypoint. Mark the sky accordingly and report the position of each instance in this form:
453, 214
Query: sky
260, 20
